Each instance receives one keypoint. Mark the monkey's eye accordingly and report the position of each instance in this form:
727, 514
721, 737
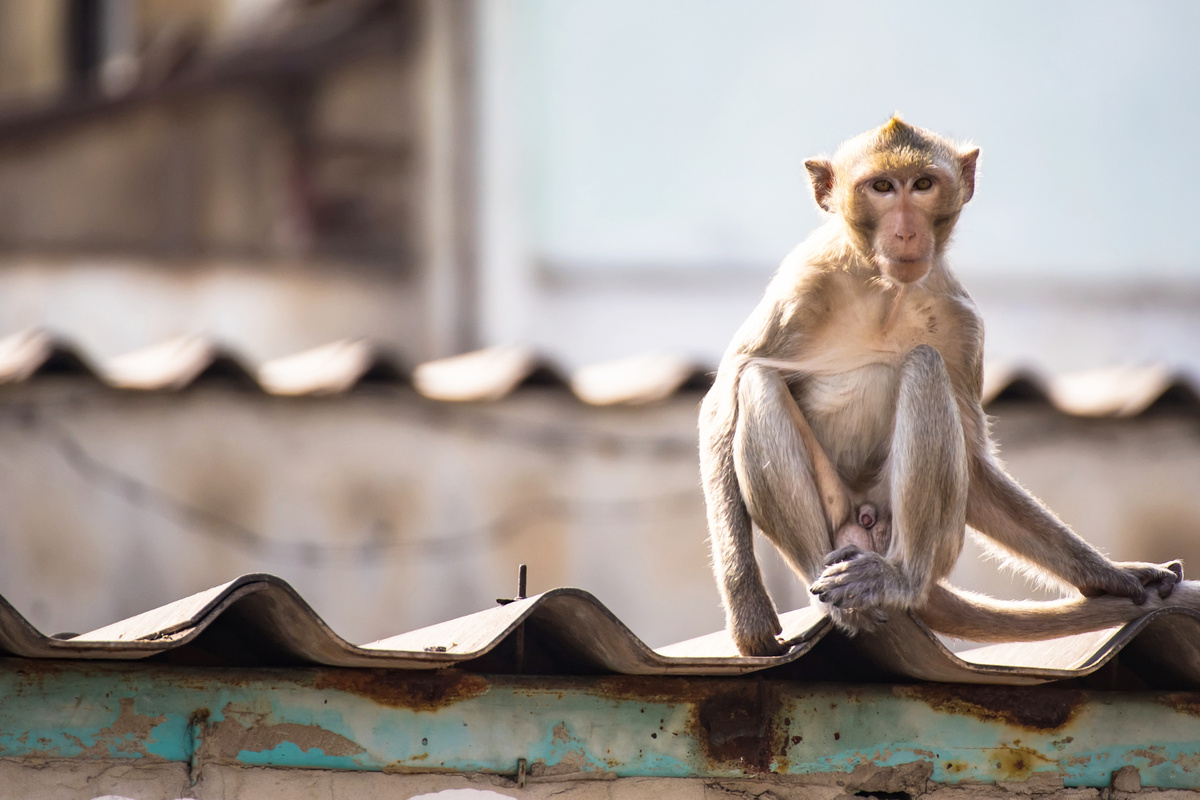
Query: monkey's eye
882, 186
922, 184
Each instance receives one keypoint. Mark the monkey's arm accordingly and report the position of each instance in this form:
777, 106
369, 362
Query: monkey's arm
998, 507
752, 619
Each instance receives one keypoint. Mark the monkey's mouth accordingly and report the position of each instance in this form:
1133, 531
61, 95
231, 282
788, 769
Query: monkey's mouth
904, 269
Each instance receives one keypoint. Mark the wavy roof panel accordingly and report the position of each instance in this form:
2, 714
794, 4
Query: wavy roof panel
494, 373
261, 620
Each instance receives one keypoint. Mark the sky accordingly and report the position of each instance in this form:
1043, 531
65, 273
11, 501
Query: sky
672, 133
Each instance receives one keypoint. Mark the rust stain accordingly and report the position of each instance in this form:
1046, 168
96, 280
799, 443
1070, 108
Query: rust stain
419, 691
736, 725
561, 734
1183, 702
1042, 709
649, 689
1016, 763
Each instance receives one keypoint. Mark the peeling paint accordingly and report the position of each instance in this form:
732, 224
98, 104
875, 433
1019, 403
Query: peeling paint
877, 738
229, 737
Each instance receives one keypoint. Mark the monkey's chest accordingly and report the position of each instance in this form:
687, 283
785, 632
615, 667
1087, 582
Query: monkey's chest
850, 378
852, 414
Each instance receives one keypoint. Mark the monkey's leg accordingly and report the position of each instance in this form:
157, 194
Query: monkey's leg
999, 508
782, 472
928, 475
750, 614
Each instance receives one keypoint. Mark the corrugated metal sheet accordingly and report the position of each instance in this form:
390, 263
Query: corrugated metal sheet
260, 619
494, 373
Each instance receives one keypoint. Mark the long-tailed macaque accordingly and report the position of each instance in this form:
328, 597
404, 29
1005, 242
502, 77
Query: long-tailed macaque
845, 422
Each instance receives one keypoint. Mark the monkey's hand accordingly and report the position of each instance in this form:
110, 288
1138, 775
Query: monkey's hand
858, 585
1133, 579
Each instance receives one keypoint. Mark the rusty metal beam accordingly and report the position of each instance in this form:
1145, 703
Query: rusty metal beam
451, 721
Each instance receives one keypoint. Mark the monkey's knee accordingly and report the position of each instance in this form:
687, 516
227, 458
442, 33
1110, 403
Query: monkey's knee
924, 364
929, 471
769, 451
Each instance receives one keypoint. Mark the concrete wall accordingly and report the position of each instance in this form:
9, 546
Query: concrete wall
93, 779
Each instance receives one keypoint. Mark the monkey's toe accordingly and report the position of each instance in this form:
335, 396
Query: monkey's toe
761, 646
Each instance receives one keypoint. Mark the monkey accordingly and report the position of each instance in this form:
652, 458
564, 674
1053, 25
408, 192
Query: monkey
845, 423
865, 529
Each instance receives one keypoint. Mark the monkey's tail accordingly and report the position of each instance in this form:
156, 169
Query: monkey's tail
979, 618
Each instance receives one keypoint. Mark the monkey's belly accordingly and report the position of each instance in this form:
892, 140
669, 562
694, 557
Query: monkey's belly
852, 414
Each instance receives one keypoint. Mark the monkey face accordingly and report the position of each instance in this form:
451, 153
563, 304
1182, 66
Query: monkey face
900, 208
899, 190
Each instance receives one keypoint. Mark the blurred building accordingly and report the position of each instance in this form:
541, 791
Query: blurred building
276, 174
229, 232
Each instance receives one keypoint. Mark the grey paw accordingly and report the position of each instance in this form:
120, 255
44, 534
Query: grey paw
853, 621
852, 579
760, 645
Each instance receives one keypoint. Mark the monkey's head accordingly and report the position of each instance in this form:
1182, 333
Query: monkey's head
899, 190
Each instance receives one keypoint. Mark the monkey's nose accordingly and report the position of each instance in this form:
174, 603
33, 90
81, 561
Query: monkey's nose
906, 236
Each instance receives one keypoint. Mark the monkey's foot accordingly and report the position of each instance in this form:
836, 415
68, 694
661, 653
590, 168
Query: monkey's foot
754, 625
757, 635
852, 621
1133, 579
760, 645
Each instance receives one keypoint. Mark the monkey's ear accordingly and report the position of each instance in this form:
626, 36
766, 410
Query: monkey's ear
966, 163
821, 173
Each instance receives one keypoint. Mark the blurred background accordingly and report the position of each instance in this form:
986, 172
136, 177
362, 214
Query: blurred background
387, 297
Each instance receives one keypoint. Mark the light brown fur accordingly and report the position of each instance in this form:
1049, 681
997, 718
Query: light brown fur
845, 423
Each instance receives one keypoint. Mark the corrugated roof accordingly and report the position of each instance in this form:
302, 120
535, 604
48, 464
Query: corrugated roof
259, 619
496, 372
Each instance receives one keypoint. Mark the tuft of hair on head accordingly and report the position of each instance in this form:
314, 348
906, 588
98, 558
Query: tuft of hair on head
897, 133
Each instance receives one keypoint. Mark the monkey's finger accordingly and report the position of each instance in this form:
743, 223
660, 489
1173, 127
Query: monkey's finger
831, 581
832, 571
843, 554
1167, 584
864, 566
